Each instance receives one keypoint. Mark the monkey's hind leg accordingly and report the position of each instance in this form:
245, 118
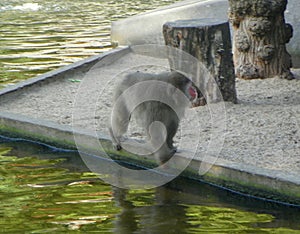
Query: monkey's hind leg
118, 127
115, 140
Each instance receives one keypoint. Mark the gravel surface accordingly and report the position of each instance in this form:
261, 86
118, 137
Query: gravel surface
263, 129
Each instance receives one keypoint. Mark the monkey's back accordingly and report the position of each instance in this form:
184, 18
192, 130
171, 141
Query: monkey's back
136, 77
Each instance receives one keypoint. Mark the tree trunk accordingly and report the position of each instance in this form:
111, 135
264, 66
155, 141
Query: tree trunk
260, 35
209, 42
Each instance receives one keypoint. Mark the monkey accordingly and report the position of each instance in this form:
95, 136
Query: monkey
152, 99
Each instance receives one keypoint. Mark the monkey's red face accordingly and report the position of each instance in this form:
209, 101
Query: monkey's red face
192, 92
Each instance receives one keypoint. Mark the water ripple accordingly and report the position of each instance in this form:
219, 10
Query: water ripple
36, 37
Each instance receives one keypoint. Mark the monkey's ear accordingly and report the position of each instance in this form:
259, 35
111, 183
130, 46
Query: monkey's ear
171, 90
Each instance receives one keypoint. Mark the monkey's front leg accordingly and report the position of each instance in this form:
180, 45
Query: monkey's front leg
159, 141
164, 154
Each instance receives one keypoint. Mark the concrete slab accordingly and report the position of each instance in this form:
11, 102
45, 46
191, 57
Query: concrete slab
146, 28
260, 154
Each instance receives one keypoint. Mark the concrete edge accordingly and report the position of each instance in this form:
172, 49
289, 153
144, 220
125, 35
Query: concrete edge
264, 183
82, 65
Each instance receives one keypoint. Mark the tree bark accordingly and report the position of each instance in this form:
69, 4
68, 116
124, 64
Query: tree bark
260, 36
209, 41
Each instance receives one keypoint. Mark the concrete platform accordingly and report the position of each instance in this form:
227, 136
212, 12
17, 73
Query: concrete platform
260, 154
146, 28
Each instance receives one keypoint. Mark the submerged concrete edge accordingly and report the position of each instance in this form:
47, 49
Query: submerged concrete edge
264, 183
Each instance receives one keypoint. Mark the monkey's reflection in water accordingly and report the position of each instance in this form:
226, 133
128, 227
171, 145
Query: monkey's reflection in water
163, 216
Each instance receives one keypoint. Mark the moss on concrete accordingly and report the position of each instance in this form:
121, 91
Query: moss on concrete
16, 132
284, 191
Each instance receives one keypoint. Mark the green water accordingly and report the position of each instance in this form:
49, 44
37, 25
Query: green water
41, 35
43, 190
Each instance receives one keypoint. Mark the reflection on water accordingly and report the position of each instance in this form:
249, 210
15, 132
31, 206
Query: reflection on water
46, 190
39, 36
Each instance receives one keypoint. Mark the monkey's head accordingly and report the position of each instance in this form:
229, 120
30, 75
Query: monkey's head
184, 84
